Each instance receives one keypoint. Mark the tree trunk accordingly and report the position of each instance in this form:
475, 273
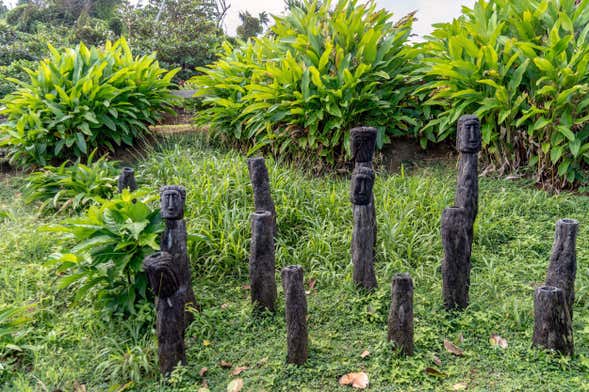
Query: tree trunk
563, 260
456, 263
262, 263
552, 321
400, 320
296, 314
261, 186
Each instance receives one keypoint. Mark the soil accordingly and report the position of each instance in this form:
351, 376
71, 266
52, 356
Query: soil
406, 151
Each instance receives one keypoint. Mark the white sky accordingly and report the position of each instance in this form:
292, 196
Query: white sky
428, 11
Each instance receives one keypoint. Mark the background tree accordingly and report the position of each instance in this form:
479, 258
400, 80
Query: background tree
250, 25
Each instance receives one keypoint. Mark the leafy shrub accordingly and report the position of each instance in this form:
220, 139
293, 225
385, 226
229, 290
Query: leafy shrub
84, 99
73, 187
317, 73
13, 318
112, 239
522, 67
8, 74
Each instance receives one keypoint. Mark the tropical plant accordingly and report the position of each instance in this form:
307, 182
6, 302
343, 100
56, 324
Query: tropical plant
13, 318
250, 25
73, 186
112, 239
81, 99
322, 69
522, 67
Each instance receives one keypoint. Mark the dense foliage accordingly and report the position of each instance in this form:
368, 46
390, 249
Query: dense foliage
319, 71
112, 239
83, 98
72, 186
522, 66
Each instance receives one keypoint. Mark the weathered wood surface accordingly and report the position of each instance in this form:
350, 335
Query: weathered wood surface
456, 263
260, 180
400, 321
127, 180
296, 314
262, 262
552, 320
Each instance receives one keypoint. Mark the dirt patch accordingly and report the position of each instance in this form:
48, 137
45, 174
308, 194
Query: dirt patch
406, 151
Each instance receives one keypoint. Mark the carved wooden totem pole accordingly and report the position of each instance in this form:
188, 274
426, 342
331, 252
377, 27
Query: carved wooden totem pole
456, 263
468, 143
165, 276
296, 314
363, 141
173, 240
262, 263
401, 314
261, 185
563, 260
552, 320
127, 180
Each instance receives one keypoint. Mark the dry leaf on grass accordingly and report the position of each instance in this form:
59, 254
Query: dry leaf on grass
311, 284
365, 353
461, 386
204, 389
235, 385
79, 387
224, 306
246, 287
452, 348
356, 380
437, 360
203, 371
434, 372
497, 340
238, 370
225, 364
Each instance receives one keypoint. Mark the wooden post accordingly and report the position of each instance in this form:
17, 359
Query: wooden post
296, 314
363, 231
563, 260
552, 321
164, 278
127, 180
173, 240
262, 263
468, 143
456, 263
400, 320
261, 186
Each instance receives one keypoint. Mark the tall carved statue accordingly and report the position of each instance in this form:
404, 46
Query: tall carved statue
468, 143
165, 278
363, 142
127, 180
173, 241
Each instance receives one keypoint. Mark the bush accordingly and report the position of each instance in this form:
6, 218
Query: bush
82, 99
522, 67
8, 74
317, 73
112, 239
72, 187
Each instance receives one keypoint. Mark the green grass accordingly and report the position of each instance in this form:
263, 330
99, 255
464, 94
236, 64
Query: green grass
68, 343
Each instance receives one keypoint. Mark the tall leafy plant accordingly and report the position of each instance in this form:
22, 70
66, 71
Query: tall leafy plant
522, 67
322, 69
81, 99
112, 239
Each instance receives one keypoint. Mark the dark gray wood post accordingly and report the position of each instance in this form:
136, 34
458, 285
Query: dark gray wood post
456, 263
468, 143
296, 314
262, 263
363, 231
261, 186
563, 260
400, 320
164, 278
173, 240
552, 321
127, 180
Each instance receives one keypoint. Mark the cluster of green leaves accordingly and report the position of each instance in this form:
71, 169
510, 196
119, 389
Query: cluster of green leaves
72, 186
81, 99
13, 319
521, 66
322, 69
112, 239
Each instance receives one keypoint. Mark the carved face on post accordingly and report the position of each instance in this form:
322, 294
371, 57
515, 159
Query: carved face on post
362, 182
172, 199
362, 142
469, 134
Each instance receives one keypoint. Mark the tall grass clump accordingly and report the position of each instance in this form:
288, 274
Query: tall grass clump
322, 68
520, 65
81, 99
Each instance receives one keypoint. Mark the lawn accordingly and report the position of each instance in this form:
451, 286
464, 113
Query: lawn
70, 345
